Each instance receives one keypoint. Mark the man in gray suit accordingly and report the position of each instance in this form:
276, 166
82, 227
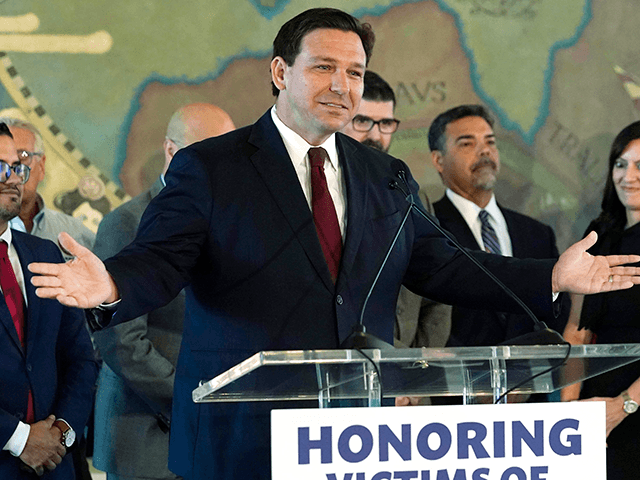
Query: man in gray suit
420, 322
135, 387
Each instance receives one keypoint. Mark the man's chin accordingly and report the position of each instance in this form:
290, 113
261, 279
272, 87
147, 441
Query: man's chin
374, 144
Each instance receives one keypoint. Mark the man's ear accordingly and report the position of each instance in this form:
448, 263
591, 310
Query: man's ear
170, 149
278, 69
436, 159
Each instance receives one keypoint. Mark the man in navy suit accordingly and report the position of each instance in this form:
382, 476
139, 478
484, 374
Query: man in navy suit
278, 245
47, 364
465, 153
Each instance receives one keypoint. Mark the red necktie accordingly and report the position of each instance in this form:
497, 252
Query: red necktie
324, 212
15, 303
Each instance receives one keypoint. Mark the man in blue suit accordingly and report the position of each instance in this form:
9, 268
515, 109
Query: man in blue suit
47, 364
278, 243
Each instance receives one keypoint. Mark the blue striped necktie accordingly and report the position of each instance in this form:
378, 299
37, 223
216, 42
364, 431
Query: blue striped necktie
489, 237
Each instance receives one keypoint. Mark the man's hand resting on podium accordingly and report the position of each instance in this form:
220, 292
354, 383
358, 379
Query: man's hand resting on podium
82, 282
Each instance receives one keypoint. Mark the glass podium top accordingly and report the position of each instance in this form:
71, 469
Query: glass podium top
344, 374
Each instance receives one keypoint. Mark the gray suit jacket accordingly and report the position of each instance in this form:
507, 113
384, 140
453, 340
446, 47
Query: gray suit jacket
135, 387
421, 322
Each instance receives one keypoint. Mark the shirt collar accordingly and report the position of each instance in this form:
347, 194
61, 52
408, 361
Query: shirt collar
470, 210
7, 236
297, 147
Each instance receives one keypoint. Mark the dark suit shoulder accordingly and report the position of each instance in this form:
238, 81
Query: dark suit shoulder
41, 248
522, 218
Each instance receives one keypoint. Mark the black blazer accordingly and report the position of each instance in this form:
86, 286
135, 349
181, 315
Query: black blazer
529, 239
233, 226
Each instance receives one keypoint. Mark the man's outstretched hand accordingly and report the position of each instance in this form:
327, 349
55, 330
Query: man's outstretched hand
576, 271
82, 282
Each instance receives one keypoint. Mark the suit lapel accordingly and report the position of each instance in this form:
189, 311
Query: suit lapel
34, 302
516, 233
272, 162
452, 220
355, 169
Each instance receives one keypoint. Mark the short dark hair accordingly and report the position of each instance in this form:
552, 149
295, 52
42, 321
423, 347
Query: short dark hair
613, 216
289, 38
437, 140
4, 130
376, 89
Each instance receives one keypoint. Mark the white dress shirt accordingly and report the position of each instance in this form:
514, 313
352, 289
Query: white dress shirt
470, 212
298, 148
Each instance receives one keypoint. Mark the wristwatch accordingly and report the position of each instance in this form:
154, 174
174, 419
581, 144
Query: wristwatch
630, 406
69, 435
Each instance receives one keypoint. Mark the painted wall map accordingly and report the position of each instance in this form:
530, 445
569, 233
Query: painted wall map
102, 78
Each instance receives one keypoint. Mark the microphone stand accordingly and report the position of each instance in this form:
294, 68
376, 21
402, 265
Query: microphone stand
542, 334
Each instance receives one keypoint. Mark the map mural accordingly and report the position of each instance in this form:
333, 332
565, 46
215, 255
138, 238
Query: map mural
101, 79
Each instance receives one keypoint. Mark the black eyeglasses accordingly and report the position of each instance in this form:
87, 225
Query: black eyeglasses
26, 157
364, 124
20, 169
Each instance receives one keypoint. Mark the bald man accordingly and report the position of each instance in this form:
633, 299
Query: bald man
135, 387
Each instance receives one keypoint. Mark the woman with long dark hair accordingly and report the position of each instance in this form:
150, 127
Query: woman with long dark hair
614, 317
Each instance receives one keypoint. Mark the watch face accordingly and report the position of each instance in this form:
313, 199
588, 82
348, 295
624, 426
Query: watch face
630, 406
70, 437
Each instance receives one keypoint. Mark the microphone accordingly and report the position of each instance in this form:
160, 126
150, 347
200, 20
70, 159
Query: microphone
359, 338
542, 334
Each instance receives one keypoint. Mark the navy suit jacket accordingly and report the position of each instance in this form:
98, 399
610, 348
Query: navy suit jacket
58, 363
234, 227
529, 239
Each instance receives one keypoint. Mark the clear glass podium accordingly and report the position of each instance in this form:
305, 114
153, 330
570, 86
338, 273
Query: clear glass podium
479, 374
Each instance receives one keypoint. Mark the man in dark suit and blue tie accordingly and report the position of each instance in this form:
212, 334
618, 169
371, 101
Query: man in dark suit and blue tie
47, 363
262, 271
465, 153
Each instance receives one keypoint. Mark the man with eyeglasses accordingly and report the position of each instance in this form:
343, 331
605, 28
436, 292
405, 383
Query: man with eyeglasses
47, 364
420, 322
35, 218
137, 376
374, 123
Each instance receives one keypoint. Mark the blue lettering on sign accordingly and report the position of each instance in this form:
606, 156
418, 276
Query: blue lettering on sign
480, 473
422, 441
382, 476
344, 448
510, 472
305, 445
534, 442
575, 441
536, 471
465, 441
405, 475
471, 440
402, 447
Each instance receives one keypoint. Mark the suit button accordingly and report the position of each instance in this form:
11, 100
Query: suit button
339, 300
29, 367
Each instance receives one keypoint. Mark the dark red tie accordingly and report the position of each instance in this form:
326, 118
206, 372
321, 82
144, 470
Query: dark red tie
15, 303
324, 212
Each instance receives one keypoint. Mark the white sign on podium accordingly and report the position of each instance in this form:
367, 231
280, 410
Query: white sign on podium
545, 441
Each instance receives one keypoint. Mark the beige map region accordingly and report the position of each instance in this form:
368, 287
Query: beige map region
422, 60
419, 52
588, 107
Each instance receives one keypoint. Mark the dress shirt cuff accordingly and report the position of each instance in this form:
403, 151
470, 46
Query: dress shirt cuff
554, 296
18, 440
